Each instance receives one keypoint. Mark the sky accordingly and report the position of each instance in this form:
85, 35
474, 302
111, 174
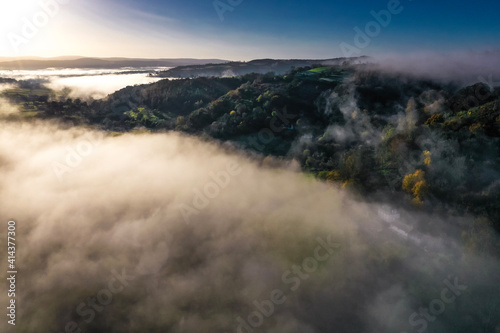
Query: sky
245, 29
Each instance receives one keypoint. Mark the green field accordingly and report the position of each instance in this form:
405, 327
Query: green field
319, 69
27, 92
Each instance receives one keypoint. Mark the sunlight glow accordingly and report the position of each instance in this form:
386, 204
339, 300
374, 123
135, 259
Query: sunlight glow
21, 21
12, 13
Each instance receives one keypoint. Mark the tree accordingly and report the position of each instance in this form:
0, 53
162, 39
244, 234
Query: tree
428, 158
416, 185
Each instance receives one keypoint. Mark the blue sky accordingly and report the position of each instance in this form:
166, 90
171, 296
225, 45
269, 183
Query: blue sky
250, 29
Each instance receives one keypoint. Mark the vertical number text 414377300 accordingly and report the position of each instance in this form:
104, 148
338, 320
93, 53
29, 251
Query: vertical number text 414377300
11, 271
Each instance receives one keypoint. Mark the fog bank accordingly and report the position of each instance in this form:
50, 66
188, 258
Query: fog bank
165, 233
464, 67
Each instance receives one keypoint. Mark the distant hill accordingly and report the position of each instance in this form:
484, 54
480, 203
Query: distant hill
259, 66
97, 63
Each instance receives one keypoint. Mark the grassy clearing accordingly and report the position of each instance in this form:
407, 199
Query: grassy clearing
27, 92
29, 114
318, 70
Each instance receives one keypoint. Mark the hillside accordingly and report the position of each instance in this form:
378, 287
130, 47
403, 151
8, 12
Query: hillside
260, 66
98, 63
431, 145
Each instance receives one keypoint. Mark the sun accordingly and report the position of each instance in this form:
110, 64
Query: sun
10, 10
15, 16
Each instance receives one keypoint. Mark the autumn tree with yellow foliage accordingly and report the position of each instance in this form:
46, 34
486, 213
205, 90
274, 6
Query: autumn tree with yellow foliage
427, 158
416, 185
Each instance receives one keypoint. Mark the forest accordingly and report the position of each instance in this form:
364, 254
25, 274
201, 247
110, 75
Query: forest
430, 145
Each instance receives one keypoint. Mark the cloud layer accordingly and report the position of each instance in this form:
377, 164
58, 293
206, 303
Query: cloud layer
464, 67
104, 243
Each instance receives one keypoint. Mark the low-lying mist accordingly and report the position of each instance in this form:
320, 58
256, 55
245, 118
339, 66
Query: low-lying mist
166, 233
464, 67
97, 86
82, 83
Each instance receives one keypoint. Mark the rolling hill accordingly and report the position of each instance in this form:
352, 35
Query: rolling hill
97, 63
